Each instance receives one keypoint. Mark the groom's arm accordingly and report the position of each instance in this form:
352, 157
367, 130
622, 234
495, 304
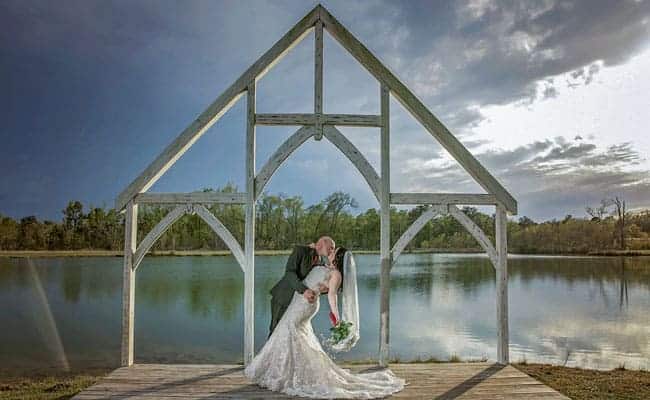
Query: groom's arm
293, 264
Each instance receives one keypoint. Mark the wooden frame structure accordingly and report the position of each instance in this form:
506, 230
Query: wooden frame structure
316, 125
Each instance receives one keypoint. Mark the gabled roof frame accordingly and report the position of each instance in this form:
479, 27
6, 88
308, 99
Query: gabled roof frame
409, 100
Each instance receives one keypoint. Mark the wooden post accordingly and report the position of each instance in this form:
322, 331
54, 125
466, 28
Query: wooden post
318, 78
501, 222
384, 241
128, 282
249, 230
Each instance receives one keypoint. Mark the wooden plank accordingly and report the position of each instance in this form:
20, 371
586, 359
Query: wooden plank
318, 78
285, 119
475, 231
157, 231
352, 120
501, 224
223, 232
443, 198
356, 158
249, 229
192, 197
280, 155
384, 228
413, 230
479, 381
128, 282
291, 119
418, 110
215, 110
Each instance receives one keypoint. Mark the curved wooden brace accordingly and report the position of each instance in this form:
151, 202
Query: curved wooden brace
223, 233
280, 155
476, 232
157, 231
354, 155
413, 230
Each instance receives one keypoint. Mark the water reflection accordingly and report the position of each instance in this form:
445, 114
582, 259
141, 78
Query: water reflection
585, 311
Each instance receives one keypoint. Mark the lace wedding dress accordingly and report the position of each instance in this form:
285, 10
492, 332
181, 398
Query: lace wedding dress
293, 361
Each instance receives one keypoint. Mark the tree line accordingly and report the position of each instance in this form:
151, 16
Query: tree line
282, 221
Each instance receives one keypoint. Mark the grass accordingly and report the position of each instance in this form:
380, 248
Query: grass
582, 384
57, 386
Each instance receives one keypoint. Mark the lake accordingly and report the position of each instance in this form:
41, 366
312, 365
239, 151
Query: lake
591, 312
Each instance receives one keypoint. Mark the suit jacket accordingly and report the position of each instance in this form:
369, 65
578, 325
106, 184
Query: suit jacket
299, 264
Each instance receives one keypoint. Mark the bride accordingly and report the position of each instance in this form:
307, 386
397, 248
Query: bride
293, 361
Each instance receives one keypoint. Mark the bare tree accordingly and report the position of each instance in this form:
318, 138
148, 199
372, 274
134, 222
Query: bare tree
620, 213
597, 213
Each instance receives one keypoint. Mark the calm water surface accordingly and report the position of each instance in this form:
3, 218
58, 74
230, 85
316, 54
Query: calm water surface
591, 312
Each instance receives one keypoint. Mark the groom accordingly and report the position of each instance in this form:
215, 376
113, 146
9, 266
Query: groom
300, 262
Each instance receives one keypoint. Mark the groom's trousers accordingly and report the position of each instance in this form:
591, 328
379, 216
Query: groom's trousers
277, 311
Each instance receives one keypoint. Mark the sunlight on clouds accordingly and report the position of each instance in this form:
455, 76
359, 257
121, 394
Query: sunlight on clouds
608, 104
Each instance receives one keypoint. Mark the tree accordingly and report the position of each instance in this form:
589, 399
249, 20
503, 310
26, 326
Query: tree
620, 214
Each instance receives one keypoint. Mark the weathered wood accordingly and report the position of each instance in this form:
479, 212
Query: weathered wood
416, 226
192, 197
280, 155
318, 78
223, 232
355, 157
475, 231
215, 110
358, 120
249, 229
501, 224
479, 381
443, 198
157, 231
417, 109
384, 228
285, 119
128, 282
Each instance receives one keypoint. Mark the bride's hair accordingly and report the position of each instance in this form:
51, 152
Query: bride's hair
338, 261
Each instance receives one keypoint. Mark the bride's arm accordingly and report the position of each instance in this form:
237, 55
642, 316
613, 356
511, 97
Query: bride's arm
333, 284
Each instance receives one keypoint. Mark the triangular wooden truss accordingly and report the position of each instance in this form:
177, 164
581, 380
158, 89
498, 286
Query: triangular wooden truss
317, 125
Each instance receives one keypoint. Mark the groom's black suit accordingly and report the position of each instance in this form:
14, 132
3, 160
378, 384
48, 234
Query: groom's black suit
300, 262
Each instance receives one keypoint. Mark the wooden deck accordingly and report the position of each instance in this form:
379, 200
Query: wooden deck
226, 381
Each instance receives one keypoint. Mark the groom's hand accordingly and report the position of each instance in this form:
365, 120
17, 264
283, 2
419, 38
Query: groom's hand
309, 295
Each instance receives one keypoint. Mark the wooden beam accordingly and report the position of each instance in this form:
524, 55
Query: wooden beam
249, 228
280, 155
416, 226
501, 222
443, 198
417, 109
157, 231
215, 110
475, 231
128, 282
192, 197
355, 156
318, 78
285, 119
352, 120
313, 119
384, 227
221, 231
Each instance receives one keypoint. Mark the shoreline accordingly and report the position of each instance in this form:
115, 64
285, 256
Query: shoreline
576, 383
166, 253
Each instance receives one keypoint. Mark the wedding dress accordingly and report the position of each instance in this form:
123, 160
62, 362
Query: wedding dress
293, 361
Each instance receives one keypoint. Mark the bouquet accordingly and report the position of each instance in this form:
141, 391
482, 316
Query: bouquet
339, 332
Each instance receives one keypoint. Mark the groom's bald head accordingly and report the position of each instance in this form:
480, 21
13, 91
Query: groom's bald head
325, 245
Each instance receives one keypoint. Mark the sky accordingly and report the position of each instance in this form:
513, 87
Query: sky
552, 97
